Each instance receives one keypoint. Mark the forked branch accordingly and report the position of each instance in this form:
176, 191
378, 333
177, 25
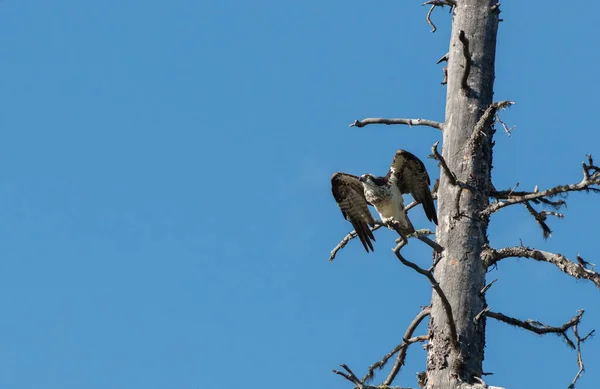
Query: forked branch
589, 183
350, 376
352, 234
402, 348
579, 340
542, 329
540, 218
578, 270
436, 287
408, 122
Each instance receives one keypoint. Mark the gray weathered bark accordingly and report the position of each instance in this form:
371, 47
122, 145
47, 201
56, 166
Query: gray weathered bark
467, 150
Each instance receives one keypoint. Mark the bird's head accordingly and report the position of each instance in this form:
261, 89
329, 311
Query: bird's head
372, 181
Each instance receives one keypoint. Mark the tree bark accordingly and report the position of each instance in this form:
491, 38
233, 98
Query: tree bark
463, 233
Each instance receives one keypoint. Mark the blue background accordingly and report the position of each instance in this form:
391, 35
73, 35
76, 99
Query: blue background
166, 215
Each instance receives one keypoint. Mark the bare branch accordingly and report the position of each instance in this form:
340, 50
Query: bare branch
486, 119
443, 59
436, 3
378, 224
438, 289
408, 122
465, 42
350, 376
590, 181
487, 287
491, 257
428, 18
421, 235
582, 262
540, 219
348, 238
507, 130
438, 157
579, 340
407, 340
478, 317
537, 327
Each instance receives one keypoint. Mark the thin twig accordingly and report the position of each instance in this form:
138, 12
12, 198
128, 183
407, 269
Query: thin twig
539, 218
444, 58
491, 257
583, 263
478, 317
438, 289
436, 3
487, 287
438, 157
350, 376
428, 18
507, 130
407, 340
408, 122
351, 235
579, 340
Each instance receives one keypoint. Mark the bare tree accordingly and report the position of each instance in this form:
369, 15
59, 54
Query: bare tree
466, 201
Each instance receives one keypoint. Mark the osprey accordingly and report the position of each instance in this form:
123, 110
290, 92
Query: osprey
407, 174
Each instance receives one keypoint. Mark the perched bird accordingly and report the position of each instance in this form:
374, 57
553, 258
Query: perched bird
407, 174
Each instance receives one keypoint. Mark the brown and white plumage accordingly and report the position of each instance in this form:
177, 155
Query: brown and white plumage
407, 174
410, 175
349, 194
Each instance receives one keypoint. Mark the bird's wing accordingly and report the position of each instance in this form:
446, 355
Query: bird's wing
349, 194
411, 176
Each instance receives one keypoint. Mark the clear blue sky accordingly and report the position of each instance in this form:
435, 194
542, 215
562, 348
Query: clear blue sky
166, 216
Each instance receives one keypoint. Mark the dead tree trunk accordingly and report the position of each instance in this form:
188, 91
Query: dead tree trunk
467, 151
457, 315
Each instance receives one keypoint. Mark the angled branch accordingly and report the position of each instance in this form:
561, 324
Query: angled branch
590, 182
579, 340
491, 257
350, 376
378, 224
487, 287
438, 289
540, 218
436, 3
438, 157
507, 130
351, 235
408, 122
407, 340
537, 327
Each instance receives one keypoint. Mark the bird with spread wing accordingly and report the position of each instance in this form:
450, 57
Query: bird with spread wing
407, 174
